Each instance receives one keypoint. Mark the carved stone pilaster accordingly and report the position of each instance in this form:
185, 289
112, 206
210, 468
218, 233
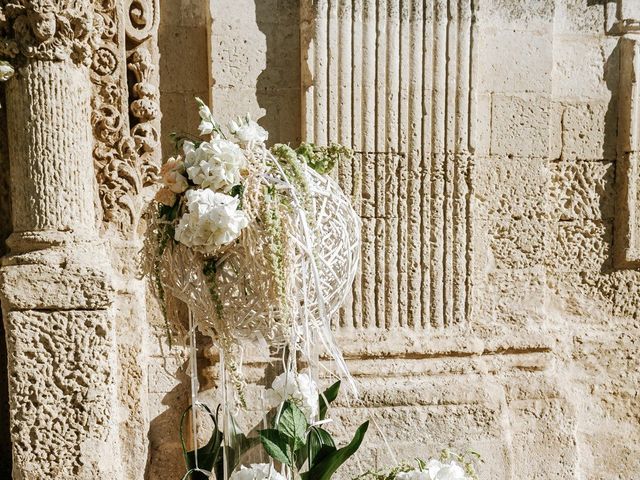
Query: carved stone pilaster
627, 221
55, 285
126, 110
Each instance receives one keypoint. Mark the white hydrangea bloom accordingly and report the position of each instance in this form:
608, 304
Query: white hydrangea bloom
257, 471
212, 219
217, 164
300, 388
247, 131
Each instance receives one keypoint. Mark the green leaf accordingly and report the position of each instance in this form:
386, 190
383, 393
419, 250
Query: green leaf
293, 424
328, 396
325, 468
207, 455
320, 445
277, 445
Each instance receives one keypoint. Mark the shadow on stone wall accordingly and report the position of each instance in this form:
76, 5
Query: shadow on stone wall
5, 230
278, 86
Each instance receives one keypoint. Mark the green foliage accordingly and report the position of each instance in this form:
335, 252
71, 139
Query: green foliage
320, 444
294, 442
324, 467
211, 456
277, 445
323, 159
328, 396
237, 191
293, 424
208, 455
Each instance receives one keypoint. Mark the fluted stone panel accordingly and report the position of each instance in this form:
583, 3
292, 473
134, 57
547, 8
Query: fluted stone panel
393, 79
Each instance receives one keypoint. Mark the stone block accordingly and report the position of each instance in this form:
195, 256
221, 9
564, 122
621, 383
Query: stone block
61, 385
579, 68
182, 68
520, 125
512, 198
515, 61
582, 245
543, 439
577, 16
589, 131
583, 190
533, 16
50, 287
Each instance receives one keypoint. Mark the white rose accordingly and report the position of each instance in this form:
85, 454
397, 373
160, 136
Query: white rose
6, 71
216, 164
247, 131
212, 220
446, 471
257, 471
172, 175
300, 388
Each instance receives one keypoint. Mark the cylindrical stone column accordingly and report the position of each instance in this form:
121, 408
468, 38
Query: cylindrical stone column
53, 180
55, 284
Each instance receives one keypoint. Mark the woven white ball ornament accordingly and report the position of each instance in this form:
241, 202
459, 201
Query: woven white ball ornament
323, 253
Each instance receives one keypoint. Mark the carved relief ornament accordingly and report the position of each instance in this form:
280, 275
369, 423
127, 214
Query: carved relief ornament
42, 29
126, 111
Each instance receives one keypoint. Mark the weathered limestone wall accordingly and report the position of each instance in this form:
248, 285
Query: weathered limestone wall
498, 304
490, 312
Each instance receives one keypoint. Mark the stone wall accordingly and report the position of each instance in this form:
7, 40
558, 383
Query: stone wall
490, 312
496, 173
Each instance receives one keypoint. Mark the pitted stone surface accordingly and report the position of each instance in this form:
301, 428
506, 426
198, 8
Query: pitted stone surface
62, 387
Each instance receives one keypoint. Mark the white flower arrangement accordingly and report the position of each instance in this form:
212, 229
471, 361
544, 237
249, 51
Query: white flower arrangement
298, 388
216, 164
261, 245
248, 132
436, 470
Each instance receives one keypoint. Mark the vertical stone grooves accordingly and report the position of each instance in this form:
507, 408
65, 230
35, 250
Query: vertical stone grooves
368, 135
391, 161
394, 79
333, 86
380, 172
403, 186
438, 146
414, 149
471, 112
320, 71
425, 162
345, 106
450, 148
356, 115
460, 177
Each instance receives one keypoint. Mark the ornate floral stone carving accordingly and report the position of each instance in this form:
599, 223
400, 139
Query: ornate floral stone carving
126, 110
46, 30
